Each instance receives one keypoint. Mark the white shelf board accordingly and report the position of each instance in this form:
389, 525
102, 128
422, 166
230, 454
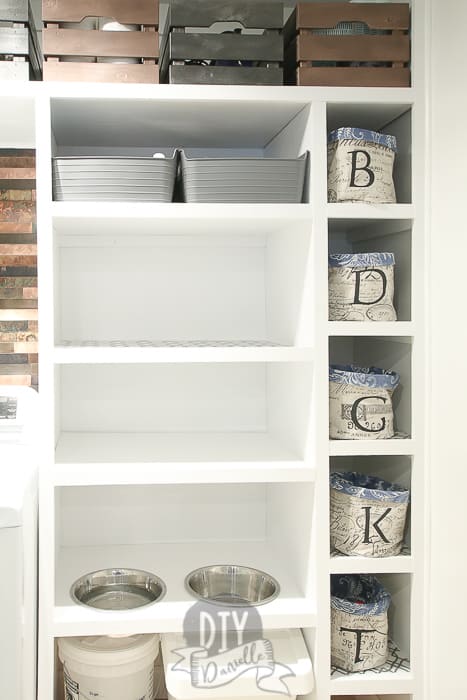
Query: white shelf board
172, 562
118, 474
400, 97
127, 458
402, 330
394, 446
179, 354
371, 565
148, 218
361, 210
386, 682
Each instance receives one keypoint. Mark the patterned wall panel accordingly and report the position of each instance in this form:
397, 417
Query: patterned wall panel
18, 268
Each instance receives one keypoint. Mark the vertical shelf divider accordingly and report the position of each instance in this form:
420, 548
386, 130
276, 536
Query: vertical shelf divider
319, 566
47, 529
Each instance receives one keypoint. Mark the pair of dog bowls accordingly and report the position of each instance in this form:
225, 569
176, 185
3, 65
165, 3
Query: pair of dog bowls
126, 589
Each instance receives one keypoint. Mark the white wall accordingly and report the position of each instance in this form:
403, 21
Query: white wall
448, 614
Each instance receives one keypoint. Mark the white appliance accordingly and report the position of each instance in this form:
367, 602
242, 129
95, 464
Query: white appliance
18, 542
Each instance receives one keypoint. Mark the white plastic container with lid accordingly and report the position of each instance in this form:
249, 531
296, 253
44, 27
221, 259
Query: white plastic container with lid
289, 660
120, 668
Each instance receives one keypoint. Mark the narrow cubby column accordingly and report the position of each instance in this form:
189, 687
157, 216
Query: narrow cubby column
400, 346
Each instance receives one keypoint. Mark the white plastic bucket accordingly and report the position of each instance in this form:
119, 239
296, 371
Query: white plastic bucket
120, 668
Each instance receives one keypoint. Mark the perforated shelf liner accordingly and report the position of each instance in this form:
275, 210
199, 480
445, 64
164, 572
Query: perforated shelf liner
169, 343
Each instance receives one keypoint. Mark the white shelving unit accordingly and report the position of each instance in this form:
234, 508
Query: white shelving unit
184, 362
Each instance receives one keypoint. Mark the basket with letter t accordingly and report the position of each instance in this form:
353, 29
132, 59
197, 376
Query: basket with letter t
359, 622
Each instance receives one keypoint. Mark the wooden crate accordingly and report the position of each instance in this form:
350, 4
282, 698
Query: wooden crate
220, 58
317, 52
62, 42
19, 52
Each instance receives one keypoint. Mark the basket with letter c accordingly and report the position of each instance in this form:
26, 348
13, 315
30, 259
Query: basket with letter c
360, 402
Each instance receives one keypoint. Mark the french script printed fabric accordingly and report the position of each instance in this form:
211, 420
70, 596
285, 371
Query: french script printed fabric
359, 622
358, 642
360, 403
360, 166
361, 287
367, 515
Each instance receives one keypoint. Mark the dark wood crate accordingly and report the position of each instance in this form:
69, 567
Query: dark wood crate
62, 42
380, 58
19, 52
223, 58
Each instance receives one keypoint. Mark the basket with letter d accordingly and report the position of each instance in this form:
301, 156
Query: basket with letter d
361, 287
359, 622
367, 515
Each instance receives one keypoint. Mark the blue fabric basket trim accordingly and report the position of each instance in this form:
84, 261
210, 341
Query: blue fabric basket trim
359, 594
372, 377
361, 259
345, 133
370, 487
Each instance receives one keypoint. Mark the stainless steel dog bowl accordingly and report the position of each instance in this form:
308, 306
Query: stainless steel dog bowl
118, 589
229, 584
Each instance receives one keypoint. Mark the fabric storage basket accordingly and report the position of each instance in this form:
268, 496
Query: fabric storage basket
360, 166
361, 287
243, 179
367, 515
124, 179
360, 402
359, 622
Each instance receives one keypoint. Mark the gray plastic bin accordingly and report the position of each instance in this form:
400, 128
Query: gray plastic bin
243, 179
116, 178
